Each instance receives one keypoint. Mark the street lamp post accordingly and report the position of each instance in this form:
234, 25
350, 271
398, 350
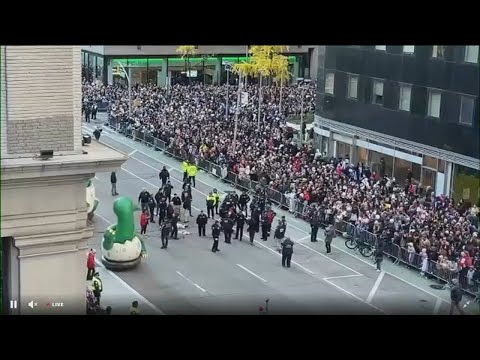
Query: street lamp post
237, 111
259, 101
129, 89
228, 69
302, 84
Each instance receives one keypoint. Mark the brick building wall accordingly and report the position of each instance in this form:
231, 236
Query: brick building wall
41, 110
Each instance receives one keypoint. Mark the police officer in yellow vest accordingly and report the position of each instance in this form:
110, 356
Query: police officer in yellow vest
134, 309
216, 195
192, 172
97, 287
210, 204
185, 165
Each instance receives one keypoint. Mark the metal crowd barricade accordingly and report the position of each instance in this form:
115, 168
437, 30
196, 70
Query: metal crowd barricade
442, 272
159, 144
243, 183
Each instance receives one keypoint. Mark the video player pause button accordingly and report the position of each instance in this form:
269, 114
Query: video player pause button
13, 304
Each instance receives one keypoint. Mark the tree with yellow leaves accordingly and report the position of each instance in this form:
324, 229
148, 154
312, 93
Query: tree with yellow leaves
187, 51
267, 60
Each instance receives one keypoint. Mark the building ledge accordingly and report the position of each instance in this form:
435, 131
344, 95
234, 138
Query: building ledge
98, 158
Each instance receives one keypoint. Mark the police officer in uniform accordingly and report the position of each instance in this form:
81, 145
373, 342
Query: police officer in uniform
187, 204
265, 225
166, 229
167, 190
201, 222
227, 225
252, 229
162, 208
185, 166
287, 251
280, 232
192, 172
177, 203
210, 205
170, 211
215, 235
151, 208
314, 224
143, 199
164, 175
243, 201
240, 223
216, 195
158, 196
174, 220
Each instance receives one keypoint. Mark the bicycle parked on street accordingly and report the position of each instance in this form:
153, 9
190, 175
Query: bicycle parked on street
363, 247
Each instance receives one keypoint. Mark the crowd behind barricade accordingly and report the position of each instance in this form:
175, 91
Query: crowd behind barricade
417, 227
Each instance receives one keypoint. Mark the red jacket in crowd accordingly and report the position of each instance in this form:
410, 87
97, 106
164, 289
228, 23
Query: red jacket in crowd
144, 219
270, 216
91, 260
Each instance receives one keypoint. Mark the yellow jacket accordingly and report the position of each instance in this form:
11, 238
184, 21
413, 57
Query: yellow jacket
184, 166
192, 170
217, 198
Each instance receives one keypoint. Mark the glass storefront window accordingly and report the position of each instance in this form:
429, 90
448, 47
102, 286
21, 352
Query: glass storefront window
155, 72
362, 155
428, 178
441, 166
343, 150
375, 163
99, 68
466, 184
430, 162
401, 171
90, 67
416, 171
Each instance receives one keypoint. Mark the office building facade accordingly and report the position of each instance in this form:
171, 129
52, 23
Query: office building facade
414, 106
162, 65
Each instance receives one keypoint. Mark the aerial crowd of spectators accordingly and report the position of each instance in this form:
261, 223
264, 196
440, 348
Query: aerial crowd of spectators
193, 119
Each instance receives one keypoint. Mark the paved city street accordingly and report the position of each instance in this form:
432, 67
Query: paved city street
188, 278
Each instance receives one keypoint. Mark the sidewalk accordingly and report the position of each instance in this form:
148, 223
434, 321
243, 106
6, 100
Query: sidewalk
119, 295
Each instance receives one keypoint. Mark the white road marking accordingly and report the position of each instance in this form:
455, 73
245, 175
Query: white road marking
342, 277
438, 303
326, 257
101, 217
251, 273
191, 282
125, 285
375, 287
95, 177
132, 290
295, 227
373, 265
354, 296
133, 152
277, 253
171, 178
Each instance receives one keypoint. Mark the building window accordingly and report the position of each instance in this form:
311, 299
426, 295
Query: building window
471, 53
378, 92
381, 47
466, 110
408, 49
405, 95
438, 51
329, 83
434, 100
352, 86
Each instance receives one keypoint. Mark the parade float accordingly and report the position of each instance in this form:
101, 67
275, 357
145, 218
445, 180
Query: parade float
92, 201
122, 248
